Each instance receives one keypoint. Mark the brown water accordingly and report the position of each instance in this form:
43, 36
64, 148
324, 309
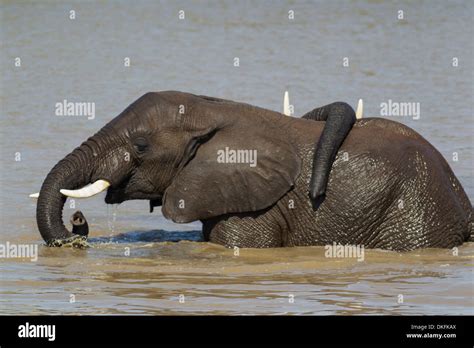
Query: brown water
82, 60
215, 281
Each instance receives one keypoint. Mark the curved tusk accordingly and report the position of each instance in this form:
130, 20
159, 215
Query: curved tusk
286, 104
360, 109
35, 195
88, 190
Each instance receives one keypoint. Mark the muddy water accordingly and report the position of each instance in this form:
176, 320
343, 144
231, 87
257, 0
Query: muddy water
140, 263
191, 277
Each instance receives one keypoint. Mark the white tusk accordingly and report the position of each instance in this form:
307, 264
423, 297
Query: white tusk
286, 104
88, 190
35, 195
360, 109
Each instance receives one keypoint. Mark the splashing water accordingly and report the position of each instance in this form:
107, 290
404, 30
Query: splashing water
111, 218
79, 242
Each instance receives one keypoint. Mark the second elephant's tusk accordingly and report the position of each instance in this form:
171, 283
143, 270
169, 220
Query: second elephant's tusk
360, 109
35, 195
88, 190
286, 104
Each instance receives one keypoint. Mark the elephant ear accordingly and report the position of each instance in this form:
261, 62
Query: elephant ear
211, 184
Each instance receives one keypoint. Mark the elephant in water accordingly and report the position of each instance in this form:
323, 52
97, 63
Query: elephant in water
245, 172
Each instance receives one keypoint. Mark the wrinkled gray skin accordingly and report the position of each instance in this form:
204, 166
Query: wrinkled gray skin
339, 117
395, 191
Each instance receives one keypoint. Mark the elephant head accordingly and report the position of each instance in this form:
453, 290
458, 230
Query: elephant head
164, 148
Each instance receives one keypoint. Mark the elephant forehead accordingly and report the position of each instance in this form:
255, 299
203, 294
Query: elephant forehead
143, 111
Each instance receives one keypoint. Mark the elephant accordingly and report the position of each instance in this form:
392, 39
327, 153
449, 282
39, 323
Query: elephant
388, 187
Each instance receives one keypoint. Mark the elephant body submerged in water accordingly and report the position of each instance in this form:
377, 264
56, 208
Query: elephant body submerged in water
391, 189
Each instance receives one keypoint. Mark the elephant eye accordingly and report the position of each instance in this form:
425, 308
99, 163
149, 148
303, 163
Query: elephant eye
140, 145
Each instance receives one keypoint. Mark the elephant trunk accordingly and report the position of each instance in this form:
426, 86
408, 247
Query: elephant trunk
72, 172
339, 117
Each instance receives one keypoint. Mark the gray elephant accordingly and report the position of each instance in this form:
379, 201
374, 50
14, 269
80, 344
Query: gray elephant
245, 171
